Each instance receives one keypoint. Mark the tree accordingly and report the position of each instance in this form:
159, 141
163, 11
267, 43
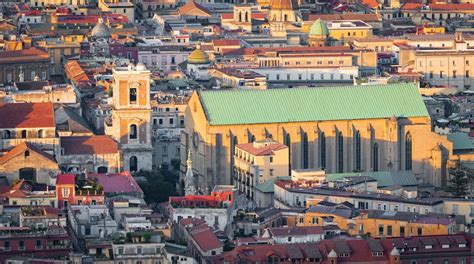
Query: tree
159, 186
458, 183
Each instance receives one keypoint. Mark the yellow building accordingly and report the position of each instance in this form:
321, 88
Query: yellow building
59, 51
257, 162
378, 223
339, 129
347, 30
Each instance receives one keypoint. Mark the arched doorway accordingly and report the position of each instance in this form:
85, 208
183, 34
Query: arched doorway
102, 169
133, 163
28, 174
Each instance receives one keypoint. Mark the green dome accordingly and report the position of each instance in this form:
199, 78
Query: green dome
319, 28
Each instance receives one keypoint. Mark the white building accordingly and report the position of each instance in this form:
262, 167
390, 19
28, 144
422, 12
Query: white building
295, 235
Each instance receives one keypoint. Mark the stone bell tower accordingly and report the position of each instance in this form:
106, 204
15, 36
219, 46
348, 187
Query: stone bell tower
131, 114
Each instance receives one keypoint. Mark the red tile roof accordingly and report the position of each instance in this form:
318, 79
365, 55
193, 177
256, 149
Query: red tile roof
27, 115
194, 9
227, 16
63, 179
20, 150
297, 231
261, 151
226, 42
88, 145
370, 3
206, 239
26, 55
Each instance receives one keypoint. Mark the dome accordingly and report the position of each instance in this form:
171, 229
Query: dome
319, 28
101, 30
284, 4
198, 57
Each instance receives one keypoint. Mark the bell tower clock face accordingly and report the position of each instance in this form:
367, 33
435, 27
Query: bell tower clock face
195, 140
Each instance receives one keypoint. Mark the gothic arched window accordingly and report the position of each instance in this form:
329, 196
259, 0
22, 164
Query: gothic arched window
408, 152
375, 157
322, 150
358, 161
304, 143
340, 153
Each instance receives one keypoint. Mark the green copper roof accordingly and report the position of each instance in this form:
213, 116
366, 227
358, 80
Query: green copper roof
461, 141
237, 107
268, 185
384, 178
319, 28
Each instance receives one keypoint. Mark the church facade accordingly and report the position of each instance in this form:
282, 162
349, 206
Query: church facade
338, 129
131, 113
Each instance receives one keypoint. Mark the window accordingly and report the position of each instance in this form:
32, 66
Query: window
41, 133
23, 134
340, 153
21, 245
160, 121
420, 231
441, 74
171, 121
66, 192
139, 250
133, 163
271, 159
467, 74
315, 220
408, 151
455, 209
6, 134
358, 162
454, 74
305, 149
27, 154
271, 172
132, 95
380, 230
375, 157
6, 245
288, 76
402, 231
322, 153
38, 244
133, 132
431, 75
389, 230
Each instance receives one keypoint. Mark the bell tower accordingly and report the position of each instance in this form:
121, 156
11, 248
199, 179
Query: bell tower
131, 114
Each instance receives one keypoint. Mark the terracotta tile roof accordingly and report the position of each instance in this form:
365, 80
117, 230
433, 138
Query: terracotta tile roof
297, 231
88, 145
65, 179
20, 150
258, 16
227, 16
206, 239
261, 151
226, 42
194, 9
26, 115
26, 55
370, 3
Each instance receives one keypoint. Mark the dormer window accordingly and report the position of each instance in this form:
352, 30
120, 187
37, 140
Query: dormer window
27, 154
462, 245
132, 95
377, 254
445, 246
342, 255
428, 246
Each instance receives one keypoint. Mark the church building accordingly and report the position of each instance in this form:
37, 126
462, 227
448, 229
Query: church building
338, 129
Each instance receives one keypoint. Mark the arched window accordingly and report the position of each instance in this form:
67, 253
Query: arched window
322, 150
287, 142
27, 153
375, 157
408, 152
133, 131
23, 134
304, 148
358, 162
133, 163
41, 133
252, 139
340, 153
132, 95
6, 134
